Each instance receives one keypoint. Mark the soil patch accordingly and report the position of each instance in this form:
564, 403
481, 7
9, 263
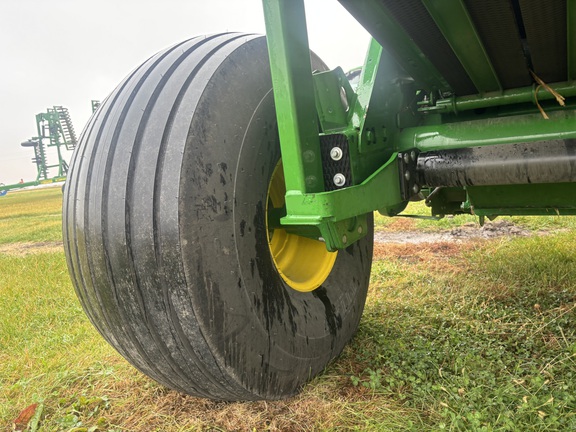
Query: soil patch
442, 256
466, 232
420, 252
28, 248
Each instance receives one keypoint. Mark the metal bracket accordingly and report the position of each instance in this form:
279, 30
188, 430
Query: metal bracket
335, 151
409, 185
330, 183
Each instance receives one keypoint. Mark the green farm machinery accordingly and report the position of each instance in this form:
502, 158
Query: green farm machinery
218, 210
55, 131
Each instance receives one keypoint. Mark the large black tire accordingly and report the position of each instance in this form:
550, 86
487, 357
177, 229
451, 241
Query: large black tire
165, 238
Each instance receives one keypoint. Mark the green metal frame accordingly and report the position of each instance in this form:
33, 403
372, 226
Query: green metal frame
401, 107
571, 38
456, 25
338, 216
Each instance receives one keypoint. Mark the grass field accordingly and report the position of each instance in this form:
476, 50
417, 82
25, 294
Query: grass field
478, 335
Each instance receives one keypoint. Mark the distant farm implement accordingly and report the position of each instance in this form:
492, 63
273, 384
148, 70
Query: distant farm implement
54, 131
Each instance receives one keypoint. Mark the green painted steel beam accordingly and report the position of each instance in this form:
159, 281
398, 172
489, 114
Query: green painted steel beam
366, 84
454, 22
530, 211
340, 215
18, 185
373, 194
526, 199
506, 97
291, 70
571, 35
375, 18
502, 130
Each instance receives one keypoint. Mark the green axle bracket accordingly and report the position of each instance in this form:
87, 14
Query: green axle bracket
341, 215
325, 125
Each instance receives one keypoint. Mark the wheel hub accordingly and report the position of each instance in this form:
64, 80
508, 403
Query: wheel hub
302, 262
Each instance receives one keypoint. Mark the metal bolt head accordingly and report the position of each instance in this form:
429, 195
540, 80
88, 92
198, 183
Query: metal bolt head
308, 156
407, 175
359, 229
344, 239
415, 188
406, 158
339, 180
413, 155
311, 181
336, 153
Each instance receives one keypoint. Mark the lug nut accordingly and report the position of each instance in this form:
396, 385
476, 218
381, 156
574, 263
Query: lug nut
339, 180
406, 158
407, 175
413, 155
415, 188
336, 153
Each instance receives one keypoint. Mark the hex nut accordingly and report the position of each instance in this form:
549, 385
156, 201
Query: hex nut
336, 153
339, 180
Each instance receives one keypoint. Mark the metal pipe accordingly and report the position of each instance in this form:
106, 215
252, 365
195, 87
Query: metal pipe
492, 131
525, 163
506, 97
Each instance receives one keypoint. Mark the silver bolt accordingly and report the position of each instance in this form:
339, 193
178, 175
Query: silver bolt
406, 158
344, 239
359, 229
415, 188
339, 180
336, 153
413, 155
407, 175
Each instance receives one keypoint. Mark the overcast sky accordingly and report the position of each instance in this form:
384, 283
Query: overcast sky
68, 52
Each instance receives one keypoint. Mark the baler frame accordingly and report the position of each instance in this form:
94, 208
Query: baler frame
403, 107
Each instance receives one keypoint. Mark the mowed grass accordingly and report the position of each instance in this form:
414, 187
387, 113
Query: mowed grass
474, 336
31, 216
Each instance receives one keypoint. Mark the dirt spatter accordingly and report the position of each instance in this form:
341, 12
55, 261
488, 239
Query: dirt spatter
333, 320
276, 301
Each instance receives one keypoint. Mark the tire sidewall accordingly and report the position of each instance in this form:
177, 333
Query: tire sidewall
253, 321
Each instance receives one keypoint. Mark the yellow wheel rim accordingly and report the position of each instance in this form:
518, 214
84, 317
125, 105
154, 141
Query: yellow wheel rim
303, 263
